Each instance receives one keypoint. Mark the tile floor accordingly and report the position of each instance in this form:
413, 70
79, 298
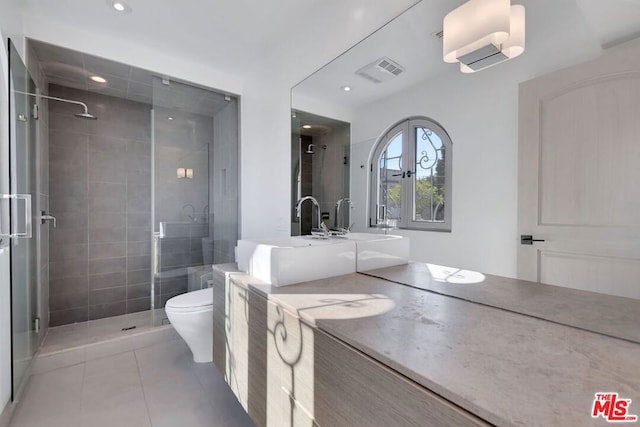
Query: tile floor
156, 386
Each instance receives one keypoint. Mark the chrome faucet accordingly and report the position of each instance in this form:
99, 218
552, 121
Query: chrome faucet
338, 218
315, 203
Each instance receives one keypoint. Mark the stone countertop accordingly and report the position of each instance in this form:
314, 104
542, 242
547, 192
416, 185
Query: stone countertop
605, 314
507, 368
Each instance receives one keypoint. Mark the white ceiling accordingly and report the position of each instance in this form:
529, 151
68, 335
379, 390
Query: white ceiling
236, 37
230, 35
409, 41
239, 36
613, 21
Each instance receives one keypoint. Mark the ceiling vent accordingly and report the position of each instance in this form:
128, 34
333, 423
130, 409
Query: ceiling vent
382, 70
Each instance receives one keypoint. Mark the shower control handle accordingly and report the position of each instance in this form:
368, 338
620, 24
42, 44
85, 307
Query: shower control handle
46, 217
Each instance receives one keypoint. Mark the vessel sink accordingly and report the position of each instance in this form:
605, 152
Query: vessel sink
284, 261
379, 250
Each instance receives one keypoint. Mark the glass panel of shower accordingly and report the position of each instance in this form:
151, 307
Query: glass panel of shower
195, 187
24, 286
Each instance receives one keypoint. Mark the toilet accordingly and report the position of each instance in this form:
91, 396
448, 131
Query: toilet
191, 315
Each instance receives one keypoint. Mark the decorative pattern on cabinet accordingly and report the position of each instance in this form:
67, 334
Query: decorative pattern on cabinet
287, 373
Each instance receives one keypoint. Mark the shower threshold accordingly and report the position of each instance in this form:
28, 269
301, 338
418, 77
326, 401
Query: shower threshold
61, 338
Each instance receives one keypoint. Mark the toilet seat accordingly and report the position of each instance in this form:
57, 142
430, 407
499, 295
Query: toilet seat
191, 302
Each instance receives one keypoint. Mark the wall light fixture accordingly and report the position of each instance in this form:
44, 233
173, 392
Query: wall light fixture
185, 173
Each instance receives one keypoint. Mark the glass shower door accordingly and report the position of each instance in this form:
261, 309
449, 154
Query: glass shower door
22, 171
194, 190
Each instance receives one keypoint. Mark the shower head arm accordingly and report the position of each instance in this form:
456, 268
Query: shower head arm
54, 98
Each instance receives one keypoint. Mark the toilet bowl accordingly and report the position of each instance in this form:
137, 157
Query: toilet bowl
191, 315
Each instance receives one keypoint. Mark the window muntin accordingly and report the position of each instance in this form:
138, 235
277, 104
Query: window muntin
411, 177
389, 184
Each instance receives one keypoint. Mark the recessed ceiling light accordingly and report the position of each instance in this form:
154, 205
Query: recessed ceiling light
98, 79
169, 118
346, 88
119, 6
306, 126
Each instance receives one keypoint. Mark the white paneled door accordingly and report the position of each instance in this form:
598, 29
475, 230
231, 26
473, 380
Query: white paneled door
579, 176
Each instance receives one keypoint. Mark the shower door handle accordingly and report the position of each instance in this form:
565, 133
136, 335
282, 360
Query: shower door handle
28, 228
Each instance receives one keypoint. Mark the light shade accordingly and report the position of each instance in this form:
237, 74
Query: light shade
481, 33
514, 45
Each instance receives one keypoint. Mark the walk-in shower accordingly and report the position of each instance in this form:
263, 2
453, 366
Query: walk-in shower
146, 197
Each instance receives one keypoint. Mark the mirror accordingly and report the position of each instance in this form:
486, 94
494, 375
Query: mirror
560, 33
409, 42
326, 101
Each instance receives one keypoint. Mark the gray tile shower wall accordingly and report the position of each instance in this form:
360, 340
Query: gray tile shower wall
100, 192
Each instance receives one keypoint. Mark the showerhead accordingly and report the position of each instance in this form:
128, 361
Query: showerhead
86, 115
310, 148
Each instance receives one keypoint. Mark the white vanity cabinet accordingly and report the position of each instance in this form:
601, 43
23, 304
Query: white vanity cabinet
286, 372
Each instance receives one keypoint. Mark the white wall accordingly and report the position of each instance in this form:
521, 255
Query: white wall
265, 156
480, 112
